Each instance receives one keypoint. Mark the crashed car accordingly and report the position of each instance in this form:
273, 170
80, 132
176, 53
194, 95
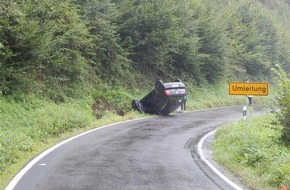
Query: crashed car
164, 99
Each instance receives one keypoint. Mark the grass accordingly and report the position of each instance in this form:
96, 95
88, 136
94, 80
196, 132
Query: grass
28, 125
21, 144
256, 154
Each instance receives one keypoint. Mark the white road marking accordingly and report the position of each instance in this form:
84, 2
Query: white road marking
200, 152
17, 178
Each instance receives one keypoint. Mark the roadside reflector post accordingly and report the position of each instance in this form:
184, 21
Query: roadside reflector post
244, 112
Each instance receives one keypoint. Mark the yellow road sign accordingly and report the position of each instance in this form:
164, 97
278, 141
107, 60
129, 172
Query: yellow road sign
248, 88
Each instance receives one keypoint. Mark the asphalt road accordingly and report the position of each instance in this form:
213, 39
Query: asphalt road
156, 153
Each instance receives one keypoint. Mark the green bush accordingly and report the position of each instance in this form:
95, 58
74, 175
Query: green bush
256, 153
282, 101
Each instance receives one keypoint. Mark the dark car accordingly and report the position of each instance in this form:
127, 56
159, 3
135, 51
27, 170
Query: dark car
164, 99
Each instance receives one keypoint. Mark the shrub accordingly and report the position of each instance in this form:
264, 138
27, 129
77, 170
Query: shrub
256, 153
282, 101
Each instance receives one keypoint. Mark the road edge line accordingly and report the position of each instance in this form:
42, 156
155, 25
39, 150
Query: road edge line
214, 169
11, 185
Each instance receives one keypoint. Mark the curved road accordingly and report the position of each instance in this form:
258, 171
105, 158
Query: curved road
152, 153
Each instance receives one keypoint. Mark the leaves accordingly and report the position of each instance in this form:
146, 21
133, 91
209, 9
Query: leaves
281, 100
55, 49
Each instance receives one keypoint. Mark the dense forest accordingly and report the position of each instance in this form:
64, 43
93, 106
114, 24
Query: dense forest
58, 48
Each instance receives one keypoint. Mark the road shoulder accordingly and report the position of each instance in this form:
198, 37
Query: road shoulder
207, 153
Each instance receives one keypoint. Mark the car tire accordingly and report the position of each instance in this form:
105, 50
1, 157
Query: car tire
158, 86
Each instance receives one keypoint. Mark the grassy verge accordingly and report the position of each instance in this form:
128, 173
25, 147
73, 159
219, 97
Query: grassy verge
256, 154
28, 126
211, 96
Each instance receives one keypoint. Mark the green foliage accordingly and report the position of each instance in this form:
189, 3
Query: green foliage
161, 36
210, 96
281, 101
17, 44
56, 49
106, 100
252, 41
212, 45
109, 59
42, 49
205, 43
25, 122
256, 153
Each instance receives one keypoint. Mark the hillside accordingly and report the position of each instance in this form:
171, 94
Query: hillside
57, 49
59, 60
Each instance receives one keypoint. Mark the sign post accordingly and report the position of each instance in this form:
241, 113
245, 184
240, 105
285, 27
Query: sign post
249, 89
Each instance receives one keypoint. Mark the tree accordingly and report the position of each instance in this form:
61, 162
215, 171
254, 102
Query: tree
18, 44
161, 36
282, 101
109, 58
213, 48
252, 41
45, 44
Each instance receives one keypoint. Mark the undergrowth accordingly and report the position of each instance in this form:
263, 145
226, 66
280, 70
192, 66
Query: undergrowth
26, 121
257, 153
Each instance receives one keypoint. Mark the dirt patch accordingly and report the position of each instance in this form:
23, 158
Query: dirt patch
101, 106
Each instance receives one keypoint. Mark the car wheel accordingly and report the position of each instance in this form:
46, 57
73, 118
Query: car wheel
158, 86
